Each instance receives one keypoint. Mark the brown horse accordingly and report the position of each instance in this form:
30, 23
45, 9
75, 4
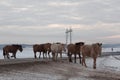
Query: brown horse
74, 49
42, 48
11, 49
38, 48
57, 48
91, 51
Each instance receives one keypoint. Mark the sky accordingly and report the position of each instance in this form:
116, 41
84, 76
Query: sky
41, 21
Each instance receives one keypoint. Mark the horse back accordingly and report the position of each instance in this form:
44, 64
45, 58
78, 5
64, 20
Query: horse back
54, 47
91, 50
57, 47
71, 48
36, 47
47, 47
8, 48
86, 50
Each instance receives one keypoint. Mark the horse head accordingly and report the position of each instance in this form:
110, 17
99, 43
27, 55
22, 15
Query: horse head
99, 48
100, 45
20, 48
64, 47
79, 43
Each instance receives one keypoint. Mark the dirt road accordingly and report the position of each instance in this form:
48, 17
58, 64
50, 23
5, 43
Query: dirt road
31, 69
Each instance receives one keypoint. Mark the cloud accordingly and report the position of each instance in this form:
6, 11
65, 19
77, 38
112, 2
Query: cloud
70, 12
64, 3
73, 26
5, 3
20, 9
90, 20
113, 37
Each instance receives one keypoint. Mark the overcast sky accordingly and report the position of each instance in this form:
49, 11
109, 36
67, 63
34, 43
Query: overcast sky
40, 21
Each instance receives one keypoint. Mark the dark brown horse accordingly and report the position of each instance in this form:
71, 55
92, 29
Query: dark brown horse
11, 49
91, 51
38, 48
42, 48
74, 49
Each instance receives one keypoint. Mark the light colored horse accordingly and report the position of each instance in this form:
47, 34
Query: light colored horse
91, 51
57, 48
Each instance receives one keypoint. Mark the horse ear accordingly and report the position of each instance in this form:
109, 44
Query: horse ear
100, 44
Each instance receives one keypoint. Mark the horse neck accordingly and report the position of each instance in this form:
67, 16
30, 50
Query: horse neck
96, 49
17, 48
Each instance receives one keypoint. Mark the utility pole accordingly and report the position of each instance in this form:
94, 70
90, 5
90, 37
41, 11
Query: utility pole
70, 31
68, 35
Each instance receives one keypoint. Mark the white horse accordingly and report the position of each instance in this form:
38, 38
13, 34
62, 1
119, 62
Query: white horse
57, 48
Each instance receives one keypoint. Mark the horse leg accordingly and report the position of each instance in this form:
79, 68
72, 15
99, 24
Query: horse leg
35, 55
74, 58
70, 56
56, 55
49, 54
39, 55
53, 56
4, 56
8, 56
14, 55
4, 53
83, 61
80, 58
94, 63
43, 55
61, 55
46, 54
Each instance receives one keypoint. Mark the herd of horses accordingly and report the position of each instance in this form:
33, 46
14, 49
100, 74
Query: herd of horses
80, 48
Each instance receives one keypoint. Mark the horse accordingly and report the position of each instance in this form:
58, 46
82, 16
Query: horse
57, 48
91, 51
38, 48
74, 49
11, 49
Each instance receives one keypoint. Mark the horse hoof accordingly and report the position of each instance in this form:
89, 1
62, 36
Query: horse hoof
94, 67
85, 66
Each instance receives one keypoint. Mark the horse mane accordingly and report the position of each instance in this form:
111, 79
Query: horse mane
99, 44
79, 43
16, 45
58, 43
